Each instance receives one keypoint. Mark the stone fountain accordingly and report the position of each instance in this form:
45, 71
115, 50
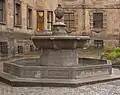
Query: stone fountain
59, 63
59, 49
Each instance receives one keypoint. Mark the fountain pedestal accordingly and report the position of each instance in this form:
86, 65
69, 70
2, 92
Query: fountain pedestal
59, 57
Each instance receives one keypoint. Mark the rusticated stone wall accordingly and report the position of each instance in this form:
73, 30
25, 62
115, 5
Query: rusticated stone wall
84, 10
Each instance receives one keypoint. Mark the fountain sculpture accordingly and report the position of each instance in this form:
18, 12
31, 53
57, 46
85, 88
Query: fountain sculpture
59, 62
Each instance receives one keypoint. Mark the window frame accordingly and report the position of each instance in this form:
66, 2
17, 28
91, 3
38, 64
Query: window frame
105, 25
99, 43
70, 23
19, 3
31, 25
98, 20
3, 22
20, 49
50, 22
37, 21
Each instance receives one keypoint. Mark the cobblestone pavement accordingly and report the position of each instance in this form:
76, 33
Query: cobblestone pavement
108, 88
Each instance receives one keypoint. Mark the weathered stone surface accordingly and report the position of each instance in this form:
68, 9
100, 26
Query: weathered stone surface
59, 58
32, 68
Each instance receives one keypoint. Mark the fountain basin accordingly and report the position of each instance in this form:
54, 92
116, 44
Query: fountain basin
59, 50
29, 68
59, 42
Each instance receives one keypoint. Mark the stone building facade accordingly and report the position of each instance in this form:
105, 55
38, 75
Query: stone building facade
15, 31
96, 18
19, 19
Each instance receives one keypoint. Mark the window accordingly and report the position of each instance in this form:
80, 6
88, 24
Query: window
69, 20
29, 17
2, 11
40, 20
98, 43
20, 49
17, 13
49, 20
97, 20
4, 47
31, 48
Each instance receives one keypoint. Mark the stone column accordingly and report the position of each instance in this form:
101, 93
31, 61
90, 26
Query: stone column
45, 19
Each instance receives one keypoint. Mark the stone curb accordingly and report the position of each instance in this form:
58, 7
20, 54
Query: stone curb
20, 82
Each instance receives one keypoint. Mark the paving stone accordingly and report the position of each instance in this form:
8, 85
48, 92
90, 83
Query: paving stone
108, 88
117, 83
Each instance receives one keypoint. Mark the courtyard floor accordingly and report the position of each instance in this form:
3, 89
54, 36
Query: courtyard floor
108, 88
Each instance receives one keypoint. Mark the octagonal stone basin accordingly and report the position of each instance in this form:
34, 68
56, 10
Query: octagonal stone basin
60, 42
30, 68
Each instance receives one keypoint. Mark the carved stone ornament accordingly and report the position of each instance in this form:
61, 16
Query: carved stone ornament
59, 12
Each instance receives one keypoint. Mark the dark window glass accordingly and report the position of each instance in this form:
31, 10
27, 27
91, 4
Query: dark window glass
20, 49
17, 14
99, 43
29, 18
97, 20
69, 20
49, 19
1, 10
4, 47
31, 48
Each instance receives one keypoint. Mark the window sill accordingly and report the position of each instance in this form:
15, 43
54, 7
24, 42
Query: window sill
2, 23
19, 26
